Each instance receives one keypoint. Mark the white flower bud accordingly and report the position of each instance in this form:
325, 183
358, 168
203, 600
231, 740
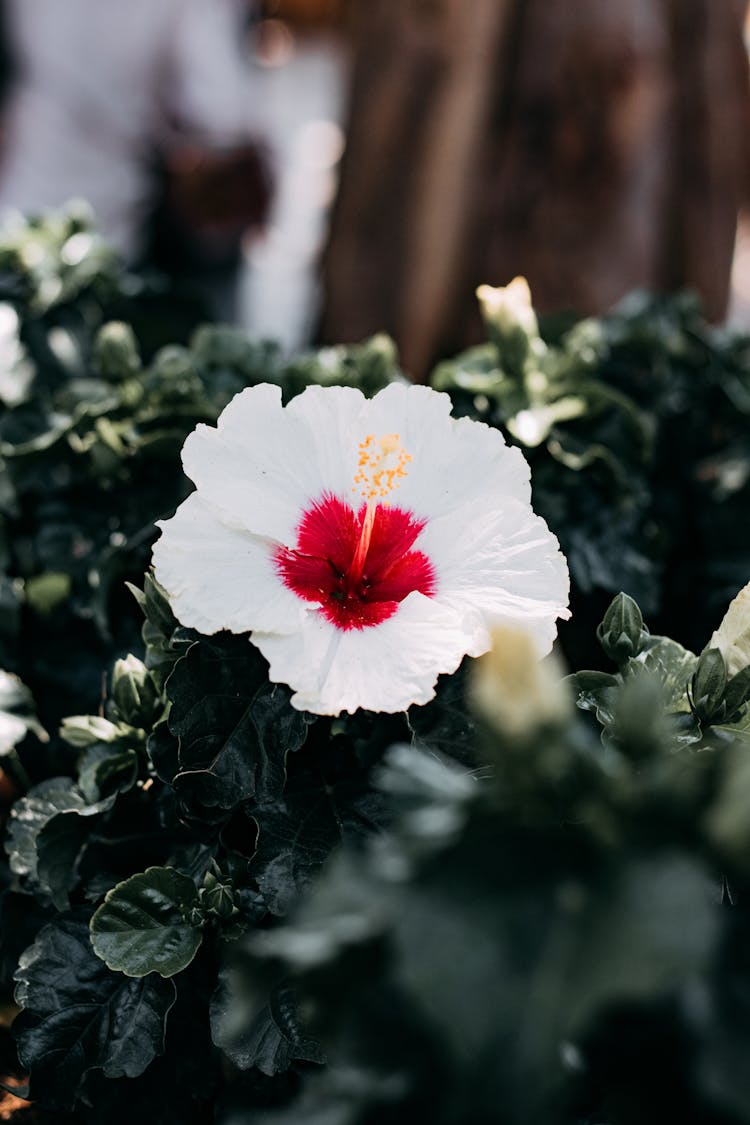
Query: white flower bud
516, 692
509, 307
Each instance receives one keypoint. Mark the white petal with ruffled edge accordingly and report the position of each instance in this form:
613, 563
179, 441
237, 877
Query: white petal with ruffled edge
385, 668
219, 577
452, 459
263, 463
499, 564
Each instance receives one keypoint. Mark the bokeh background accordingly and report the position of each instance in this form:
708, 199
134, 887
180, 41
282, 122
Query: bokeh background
324, 169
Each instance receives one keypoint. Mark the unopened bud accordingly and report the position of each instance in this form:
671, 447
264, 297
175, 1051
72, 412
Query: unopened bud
514, 691
134, 692
621, 632
217, 898
116, 354
511, 323
708, 686
508, 308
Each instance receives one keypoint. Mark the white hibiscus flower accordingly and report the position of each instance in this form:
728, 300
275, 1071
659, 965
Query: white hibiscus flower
369, 545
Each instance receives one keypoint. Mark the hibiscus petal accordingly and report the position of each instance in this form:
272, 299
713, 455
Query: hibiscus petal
218, 577
499, 564
262, 463
385, 668
451, 459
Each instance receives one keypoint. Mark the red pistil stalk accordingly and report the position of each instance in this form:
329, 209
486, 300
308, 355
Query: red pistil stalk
360, 555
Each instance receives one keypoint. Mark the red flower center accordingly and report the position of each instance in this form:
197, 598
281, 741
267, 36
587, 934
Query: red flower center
357, 566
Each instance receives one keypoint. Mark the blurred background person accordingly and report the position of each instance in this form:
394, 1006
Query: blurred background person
594, 147
145, 109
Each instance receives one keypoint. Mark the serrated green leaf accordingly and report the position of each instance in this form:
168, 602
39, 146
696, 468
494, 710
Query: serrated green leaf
235, 728
78, 1016
30, 814
298, 832
143, 926
674, 667
105, 770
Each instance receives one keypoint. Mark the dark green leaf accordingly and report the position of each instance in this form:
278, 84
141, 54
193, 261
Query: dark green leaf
143, 926
162, 749
298, 832
446, 723
737, 693
105, 770
35, 810
58, 846
235, 728
597, 692
79, 1016
271, 1039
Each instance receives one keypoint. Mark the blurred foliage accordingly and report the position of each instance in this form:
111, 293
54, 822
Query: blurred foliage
375, 918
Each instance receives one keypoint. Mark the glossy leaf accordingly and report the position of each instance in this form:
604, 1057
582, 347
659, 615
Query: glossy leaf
298, 832
235, 728
78, 1016
34, 811
143, 926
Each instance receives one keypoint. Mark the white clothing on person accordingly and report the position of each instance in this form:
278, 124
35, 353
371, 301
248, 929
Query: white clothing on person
99, 83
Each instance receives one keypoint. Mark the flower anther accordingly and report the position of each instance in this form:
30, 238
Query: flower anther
367, 545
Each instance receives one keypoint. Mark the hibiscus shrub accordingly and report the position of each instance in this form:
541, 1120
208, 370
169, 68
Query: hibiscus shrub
235, 904
490, 906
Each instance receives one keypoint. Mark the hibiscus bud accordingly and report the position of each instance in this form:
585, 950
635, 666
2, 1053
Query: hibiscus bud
511, 322
708, 685
174, 363
732, 638
84, 730
217, 898
508, 307
134, 693
621, 632
514, 691
220, 345
116, 351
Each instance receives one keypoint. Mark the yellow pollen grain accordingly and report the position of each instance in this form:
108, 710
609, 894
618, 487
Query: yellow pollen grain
381, 466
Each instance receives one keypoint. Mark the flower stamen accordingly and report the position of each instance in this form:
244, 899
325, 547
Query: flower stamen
381, 466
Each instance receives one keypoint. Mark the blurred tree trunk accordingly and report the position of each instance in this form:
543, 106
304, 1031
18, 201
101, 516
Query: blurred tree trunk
593, 146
